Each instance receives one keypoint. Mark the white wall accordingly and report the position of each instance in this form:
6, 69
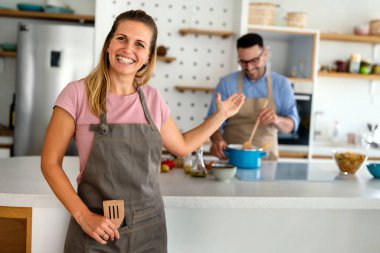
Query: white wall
189, 108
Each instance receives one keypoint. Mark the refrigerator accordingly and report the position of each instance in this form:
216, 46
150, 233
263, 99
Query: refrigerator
49, 56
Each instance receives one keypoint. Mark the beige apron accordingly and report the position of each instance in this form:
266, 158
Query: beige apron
239, 127
124, 164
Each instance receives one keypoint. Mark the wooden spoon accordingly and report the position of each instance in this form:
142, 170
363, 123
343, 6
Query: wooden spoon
248, 144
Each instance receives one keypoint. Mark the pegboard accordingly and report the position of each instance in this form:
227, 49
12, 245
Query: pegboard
201, 60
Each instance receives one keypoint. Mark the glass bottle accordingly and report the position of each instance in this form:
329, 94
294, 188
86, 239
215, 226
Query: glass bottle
199, 168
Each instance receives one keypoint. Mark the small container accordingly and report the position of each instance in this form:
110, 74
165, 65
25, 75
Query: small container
349, 162
374, 27
355, 63
223, 171
296, 19
374, 169
365, 67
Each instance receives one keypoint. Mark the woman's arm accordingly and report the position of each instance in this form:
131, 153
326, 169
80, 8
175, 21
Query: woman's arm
58, 135
182, 144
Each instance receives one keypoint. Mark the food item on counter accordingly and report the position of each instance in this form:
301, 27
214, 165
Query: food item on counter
165, 168
349, 162
187, 169
198, 173
168, 162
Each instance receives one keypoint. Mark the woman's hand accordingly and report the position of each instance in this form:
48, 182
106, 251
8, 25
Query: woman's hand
231, 105
98, 227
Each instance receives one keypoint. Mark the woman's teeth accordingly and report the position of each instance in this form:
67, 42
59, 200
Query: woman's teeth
124, 60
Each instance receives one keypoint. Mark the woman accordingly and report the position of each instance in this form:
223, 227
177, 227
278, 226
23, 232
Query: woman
119, 125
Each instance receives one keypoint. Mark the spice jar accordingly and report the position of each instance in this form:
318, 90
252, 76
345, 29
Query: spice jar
355, 63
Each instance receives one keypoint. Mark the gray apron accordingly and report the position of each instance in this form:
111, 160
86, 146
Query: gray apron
124, 164
239, 126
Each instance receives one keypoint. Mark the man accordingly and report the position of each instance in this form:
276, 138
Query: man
258, 85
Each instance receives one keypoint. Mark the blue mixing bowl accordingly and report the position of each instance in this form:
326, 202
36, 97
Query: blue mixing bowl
374, 169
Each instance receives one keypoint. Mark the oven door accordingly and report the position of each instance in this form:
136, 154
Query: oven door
301, 137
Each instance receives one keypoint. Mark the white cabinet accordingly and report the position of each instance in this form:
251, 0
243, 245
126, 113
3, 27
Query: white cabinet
293, 51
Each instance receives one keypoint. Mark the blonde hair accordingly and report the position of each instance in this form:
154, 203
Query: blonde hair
98, 81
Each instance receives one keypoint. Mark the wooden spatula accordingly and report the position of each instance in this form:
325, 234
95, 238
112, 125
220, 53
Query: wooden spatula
114, 210
248, 144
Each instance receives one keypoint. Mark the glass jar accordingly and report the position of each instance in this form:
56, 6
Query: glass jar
355, 63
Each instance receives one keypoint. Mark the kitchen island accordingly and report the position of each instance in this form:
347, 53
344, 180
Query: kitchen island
283, 207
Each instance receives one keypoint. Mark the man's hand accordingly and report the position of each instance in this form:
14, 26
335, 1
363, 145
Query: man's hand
218, 147
268, 116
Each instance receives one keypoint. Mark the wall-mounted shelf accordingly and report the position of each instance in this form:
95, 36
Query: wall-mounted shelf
300, 80
223, 34
166, 59
8, 54
350, 38
194, 88
47, 15
348, 75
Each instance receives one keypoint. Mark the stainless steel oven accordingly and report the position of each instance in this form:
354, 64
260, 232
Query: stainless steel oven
301, 137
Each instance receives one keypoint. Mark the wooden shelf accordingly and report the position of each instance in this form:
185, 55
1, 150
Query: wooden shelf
47, 15
5, 131
194, 88
350, 38
166, 59
223, 34
300, 80
348, 75
8, 54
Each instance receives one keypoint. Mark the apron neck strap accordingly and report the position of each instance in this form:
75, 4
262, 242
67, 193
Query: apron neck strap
146, 110
269, 82
240, 82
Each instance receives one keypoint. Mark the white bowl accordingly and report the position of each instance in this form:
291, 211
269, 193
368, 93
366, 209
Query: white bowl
223, 171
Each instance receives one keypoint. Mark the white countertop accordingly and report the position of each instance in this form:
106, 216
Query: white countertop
22, 184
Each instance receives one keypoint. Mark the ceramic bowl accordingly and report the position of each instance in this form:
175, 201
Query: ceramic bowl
223, 171
374, 169
349, 162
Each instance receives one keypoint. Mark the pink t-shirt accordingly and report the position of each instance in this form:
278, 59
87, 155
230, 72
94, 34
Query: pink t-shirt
121, 109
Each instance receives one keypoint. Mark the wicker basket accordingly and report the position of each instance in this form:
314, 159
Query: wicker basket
296, 19
374, 27
262, 14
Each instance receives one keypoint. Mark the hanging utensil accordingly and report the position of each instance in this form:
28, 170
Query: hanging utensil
114, 210
248, 144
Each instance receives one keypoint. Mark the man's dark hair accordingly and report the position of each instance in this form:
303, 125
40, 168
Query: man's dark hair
250, 40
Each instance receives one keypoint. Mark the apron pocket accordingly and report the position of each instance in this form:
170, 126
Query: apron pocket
145, 217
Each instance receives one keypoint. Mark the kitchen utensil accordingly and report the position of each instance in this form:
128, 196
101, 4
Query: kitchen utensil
374, 169
244, 159
114, 210
266, 145
223, 171
248, 143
